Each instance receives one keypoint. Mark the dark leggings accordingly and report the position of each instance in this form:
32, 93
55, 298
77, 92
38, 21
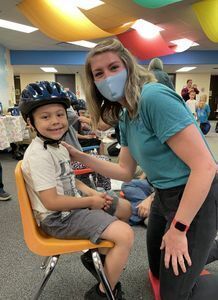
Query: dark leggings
201, 235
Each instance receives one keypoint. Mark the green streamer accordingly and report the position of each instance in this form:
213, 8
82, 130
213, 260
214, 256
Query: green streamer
155, 3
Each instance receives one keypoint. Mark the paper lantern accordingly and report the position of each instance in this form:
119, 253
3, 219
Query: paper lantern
207, 14
155, 3
62, 21
144, 48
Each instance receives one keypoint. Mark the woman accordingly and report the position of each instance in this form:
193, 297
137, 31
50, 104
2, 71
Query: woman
160, 134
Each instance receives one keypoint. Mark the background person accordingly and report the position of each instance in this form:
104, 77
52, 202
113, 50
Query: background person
192, 103
203, 112
140, 194
3, 195
188, 88
158, 133
156, 67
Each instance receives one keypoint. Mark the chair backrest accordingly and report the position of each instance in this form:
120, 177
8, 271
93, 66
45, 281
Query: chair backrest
32, 233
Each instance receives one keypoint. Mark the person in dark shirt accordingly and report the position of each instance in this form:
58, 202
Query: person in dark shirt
189, 88
156, 67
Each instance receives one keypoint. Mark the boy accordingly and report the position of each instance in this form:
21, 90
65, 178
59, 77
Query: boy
59, 208
192, 103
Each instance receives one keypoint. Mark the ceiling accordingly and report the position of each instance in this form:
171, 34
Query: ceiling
178, 21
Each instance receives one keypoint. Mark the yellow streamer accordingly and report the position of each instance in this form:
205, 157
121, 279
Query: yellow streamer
62, 21
207, 14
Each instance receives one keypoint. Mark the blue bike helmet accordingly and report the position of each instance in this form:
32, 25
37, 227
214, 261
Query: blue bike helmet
39, 94
73, 98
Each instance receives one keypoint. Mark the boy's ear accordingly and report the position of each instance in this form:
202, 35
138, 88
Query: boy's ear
29, 123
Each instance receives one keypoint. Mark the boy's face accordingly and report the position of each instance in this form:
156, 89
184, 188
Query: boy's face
192, 95
51, 121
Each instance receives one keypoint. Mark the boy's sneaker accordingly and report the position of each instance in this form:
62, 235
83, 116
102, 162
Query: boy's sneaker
87, 261
95, 294
4, 195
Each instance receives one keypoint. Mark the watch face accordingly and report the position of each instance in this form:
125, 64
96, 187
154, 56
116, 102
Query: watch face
180, 226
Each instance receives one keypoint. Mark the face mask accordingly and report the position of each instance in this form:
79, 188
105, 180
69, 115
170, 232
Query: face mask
112, 88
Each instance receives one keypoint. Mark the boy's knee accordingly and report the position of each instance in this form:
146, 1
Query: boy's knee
124, 210
127, 235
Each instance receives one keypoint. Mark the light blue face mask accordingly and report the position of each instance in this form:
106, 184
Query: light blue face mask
112, 88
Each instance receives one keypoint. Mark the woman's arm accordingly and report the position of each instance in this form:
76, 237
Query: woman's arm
190, 147
124, 170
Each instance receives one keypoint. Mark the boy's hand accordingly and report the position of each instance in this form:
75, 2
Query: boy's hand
108, 202
98, 201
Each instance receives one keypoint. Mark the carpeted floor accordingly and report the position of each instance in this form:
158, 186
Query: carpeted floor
20, 272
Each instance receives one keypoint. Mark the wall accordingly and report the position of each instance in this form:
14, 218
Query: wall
25, 79
80, 93
202, 81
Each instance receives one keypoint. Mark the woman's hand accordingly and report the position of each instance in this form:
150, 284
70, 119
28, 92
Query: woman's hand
144, 207
72, 150
176, 250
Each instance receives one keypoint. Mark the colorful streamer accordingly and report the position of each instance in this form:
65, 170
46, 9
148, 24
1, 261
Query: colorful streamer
144, 48
62, 21
155, 3
207, 14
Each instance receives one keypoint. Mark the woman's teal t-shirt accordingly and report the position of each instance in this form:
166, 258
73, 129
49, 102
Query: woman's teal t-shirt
162, 113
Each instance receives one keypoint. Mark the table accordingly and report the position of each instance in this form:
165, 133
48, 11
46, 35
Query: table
12, 130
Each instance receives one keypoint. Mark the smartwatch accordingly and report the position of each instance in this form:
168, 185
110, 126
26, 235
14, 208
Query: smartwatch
180, 226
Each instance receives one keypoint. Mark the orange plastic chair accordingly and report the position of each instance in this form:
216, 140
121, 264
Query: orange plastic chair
40, 243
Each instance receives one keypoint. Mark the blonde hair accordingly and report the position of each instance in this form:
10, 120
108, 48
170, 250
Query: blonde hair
100, 107
202, 101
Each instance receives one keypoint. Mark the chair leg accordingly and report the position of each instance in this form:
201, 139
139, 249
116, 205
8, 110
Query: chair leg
44, 263
49, 269
100, 271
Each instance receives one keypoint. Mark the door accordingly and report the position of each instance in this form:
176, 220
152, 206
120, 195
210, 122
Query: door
213, 98
67, 80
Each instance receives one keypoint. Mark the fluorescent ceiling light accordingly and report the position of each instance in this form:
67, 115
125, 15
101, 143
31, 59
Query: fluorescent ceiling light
183, 44
186, 69
82, 43
87, 4
146, 29
48, 69
17, 26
